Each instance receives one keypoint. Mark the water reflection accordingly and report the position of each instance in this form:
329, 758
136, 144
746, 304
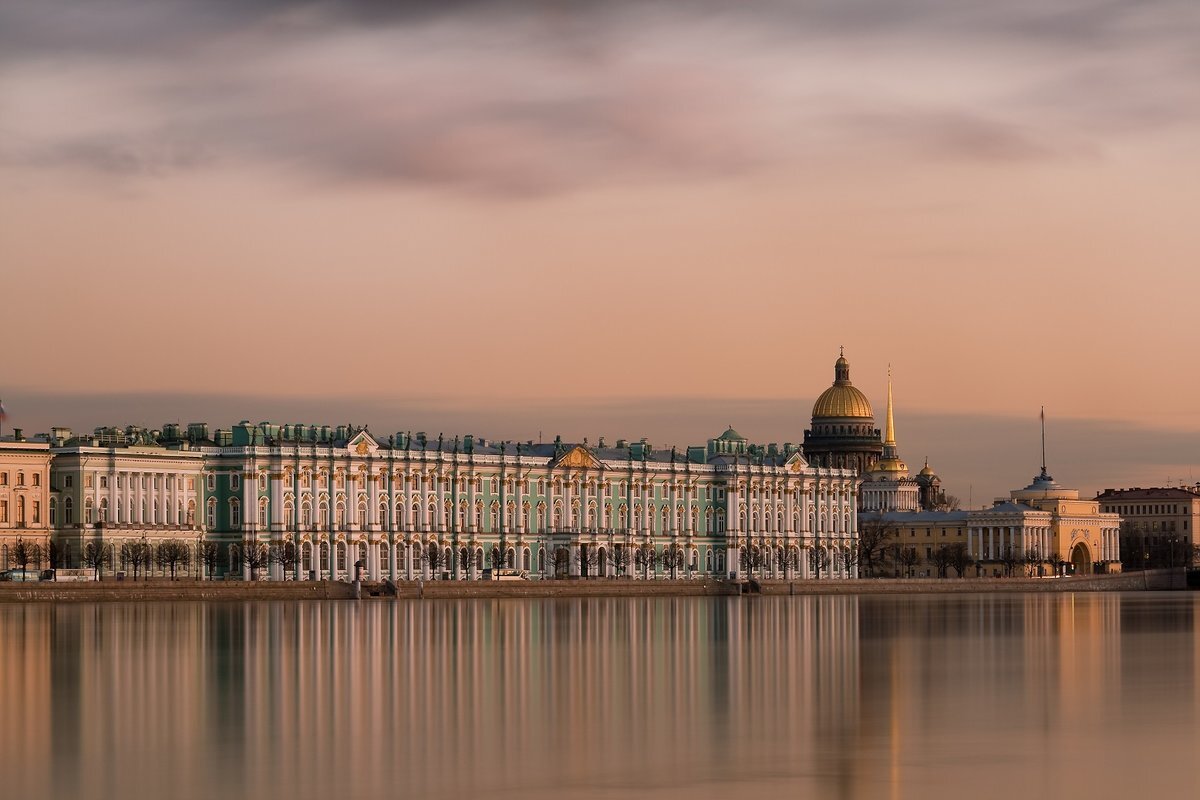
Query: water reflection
998, 696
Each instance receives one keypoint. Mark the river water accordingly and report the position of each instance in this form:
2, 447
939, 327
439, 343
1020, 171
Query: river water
946, 696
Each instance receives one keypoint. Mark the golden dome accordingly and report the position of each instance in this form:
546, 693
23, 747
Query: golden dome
842, 401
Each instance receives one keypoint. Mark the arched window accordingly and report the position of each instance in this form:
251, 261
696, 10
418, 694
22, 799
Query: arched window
68, 511
235, 514
289, 515
362, 514
339, 515
263, 522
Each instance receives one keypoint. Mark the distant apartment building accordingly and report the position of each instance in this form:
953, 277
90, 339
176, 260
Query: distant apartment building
25, 510
1158, 525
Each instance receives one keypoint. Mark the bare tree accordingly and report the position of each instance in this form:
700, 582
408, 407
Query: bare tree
209, 557
818, 561
909, 558
96, 556
1033, 561
645, 558
1009, 558
135, 554
943, 559
618, 558
254, 556
496, 558
850, 556
587, 559
562, 561
24, 552
173, 556
1056, 560
433, 557
781, 561
285, 553
952, 502
874, 536
672, 559
753, 558
960, 558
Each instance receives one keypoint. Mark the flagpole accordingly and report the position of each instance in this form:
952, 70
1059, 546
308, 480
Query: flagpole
1043, 440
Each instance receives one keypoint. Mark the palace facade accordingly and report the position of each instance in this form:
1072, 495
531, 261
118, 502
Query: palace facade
339, 503
25, 510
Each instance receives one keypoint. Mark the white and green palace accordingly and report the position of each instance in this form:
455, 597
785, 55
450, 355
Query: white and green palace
302, 502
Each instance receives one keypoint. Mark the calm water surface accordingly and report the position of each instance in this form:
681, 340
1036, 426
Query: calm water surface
840, 697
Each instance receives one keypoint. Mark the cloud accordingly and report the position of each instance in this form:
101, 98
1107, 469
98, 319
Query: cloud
529, 97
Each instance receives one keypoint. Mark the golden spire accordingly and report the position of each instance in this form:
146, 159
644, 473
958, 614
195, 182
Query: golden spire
889, 434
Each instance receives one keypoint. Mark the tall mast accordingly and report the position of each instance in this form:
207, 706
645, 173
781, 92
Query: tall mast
1043, 440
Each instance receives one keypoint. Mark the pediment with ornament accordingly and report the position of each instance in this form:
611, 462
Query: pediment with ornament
796, 462
578, 457
362, 444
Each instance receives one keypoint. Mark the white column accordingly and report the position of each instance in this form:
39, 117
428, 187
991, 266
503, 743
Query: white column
733, 520
373, 502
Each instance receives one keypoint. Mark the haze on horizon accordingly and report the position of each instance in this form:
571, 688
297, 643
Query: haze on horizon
628, 219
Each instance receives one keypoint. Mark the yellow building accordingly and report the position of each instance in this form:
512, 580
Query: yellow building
1043, 529
1067, 529
24, 501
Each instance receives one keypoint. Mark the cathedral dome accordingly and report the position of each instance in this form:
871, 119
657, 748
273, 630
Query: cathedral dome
842, 400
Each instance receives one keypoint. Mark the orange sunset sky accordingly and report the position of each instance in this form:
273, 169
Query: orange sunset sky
623, 219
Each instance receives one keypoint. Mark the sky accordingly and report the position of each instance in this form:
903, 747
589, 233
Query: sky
624, 219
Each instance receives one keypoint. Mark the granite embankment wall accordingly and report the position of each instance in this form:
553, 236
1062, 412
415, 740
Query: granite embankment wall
108, 590
112, 590
1155, 579
568, 588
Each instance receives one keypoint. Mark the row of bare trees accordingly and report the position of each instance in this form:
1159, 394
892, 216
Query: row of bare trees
23, 553
880, 553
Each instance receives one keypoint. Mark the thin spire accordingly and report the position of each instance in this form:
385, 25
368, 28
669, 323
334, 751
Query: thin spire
889, 434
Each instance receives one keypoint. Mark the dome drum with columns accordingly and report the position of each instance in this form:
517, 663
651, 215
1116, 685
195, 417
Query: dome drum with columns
843, 432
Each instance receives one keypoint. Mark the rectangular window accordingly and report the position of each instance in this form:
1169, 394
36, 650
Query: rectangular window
37, 479
3, 479
37, 512
3, 511
68, 481
20, 479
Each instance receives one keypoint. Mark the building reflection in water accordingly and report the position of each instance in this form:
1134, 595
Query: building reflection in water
910, 696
